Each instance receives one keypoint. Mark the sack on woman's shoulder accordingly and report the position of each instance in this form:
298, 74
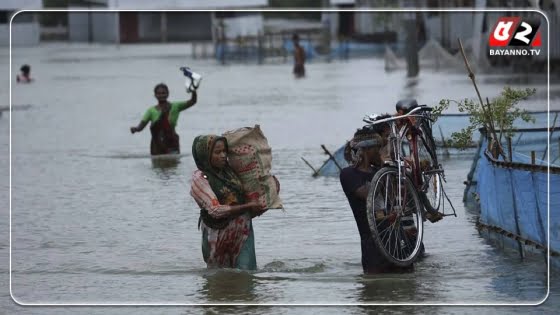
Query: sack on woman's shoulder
250, 156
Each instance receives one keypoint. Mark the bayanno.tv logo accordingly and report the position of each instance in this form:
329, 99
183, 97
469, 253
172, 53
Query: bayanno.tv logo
515, 32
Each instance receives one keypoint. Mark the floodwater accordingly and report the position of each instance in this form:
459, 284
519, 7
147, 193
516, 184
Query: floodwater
95, 220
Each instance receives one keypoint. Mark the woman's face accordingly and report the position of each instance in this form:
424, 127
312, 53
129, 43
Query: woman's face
219, 155
161, 94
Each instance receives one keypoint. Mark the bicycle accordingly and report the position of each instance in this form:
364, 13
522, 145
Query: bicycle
409, 182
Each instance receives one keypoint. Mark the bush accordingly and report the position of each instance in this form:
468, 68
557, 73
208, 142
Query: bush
497, 117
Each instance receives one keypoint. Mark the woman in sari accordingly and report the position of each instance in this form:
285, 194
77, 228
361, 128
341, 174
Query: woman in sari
163, 118
226, 213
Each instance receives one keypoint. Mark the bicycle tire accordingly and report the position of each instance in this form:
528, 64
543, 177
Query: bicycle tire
389, 223
431, 203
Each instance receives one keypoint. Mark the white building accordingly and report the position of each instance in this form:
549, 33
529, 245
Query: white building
162, 20
25, 27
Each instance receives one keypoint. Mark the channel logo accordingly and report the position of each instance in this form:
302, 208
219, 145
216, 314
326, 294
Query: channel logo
515, 31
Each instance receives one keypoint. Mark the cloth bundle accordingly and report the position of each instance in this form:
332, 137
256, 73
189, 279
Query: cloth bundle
250, 156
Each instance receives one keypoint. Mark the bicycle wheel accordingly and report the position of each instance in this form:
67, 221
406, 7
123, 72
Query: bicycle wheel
431, 191
395, 221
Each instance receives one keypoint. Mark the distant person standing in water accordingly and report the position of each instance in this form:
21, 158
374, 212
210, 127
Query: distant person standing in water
163, 118
299, 58
24, 76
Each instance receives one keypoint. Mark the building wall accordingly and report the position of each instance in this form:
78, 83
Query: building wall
78, 26
15, 5
105, 27
189, 26
25, 28
374, 22
181, 26
456, 24
246, 25
149, 26
554, 26
101, 26
92, 26
23, 34
184, 4
366, 22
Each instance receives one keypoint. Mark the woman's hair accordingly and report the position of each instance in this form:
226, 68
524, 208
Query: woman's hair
161, 85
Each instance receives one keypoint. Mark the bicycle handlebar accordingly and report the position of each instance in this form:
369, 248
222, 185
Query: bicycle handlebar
409, 114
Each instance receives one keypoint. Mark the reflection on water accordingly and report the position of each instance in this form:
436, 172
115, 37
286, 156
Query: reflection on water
388, 288
166, 165
229, 286
282, 267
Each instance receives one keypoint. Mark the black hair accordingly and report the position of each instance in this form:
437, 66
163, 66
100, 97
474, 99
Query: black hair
381, 127
365, 131
161, 85
25, 68
295, 36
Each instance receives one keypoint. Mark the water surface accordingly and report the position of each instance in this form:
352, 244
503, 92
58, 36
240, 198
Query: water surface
95, 220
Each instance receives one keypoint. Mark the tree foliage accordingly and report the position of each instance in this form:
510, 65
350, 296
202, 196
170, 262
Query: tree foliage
497, 116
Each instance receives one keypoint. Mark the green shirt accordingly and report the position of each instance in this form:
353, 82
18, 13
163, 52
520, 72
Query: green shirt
153, 113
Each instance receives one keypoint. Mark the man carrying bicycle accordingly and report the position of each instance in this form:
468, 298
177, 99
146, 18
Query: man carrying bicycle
355, 180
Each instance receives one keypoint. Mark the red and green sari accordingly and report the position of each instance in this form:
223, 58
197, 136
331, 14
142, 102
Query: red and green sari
227, 242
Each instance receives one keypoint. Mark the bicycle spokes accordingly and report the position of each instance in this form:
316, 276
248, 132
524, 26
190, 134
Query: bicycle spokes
396, 220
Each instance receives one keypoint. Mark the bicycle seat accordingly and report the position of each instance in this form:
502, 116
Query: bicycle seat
406, 105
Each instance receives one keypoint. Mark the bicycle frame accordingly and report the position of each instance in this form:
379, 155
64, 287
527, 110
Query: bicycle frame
398, 133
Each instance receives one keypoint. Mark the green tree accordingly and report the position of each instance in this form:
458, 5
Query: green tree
496, 117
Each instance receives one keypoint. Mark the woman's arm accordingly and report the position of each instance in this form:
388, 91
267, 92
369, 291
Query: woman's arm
139, 128
189, 103
252, 206
145, 119
206, 199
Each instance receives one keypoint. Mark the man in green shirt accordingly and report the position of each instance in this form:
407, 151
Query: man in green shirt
163, 118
